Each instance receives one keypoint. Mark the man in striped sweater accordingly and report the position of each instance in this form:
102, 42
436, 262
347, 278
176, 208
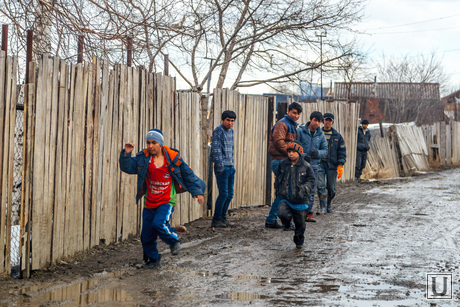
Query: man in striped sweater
222, 154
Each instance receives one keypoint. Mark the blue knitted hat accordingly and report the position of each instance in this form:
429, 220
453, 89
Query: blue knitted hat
155, 135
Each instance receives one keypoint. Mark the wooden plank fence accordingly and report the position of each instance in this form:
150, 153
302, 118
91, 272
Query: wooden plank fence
250, 136
442, 141
413, 150
455, 143
78, 118
8, 81
382, 158
346, 122
406, 148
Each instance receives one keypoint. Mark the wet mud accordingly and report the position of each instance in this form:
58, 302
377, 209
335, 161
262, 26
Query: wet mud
375, 249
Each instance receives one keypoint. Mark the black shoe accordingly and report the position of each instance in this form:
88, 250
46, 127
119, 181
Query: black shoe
273, 225
299, 246
290, 228
175, 248
151, 264
226, 222
218, 224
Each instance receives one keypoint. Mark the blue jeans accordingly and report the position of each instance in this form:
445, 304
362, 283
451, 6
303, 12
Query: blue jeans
155, 223
312, 193
225, 181
327, 180
273, 214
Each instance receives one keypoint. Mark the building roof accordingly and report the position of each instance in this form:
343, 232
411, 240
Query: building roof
386, 90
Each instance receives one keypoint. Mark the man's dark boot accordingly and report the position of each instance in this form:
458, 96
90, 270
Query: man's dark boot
151, 264
226, 222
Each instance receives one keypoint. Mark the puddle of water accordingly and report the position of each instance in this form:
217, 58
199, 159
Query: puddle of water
241, 296
325, 288
202, 273
84, 293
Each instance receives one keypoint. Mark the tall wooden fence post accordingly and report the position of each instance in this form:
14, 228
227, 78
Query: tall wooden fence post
81, 40
5, 39
268, 176
129, 59
166, 65
30, 39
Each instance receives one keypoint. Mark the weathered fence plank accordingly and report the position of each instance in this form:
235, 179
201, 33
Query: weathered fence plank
455, 142
3, 123
346, 122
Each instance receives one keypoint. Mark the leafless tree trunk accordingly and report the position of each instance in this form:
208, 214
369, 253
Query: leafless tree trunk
249, 42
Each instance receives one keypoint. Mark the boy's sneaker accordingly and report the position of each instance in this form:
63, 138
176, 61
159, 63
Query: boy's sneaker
289, 228
175, 248
299, 246
150, 264
310, 218
218, 224
273, 225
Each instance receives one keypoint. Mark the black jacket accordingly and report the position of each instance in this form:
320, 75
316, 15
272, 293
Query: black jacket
364, 140
303, 181
337, 151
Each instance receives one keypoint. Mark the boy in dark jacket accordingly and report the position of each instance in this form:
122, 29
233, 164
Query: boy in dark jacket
161, 174
294, 182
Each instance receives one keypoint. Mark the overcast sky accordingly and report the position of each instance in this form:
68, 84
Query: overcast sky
414, 27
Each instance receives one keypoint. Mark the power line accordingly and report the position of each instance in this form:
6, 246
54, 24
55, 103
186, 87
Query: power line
415, 31
414, 23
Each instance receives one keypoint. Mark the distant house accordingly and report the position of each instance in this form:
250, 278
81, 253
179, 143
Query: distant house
393, 101
312, 92
452, 106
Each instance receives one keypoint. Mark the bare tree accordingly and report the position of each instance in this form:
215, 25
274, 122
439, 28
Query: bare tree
418, 69
275, 37
420, 99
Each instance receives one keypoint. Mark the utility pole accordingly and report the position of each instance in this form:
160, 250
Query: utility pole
321, 35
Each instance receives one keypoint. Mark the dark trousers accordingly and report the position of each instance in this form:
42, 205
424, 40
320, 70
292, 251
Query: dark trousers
225, 181
155, 223
327, 180
287, 214
361, 157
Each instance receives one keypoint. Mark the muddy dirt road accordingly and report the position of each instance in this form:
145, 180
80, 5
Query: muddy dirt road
376, 249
